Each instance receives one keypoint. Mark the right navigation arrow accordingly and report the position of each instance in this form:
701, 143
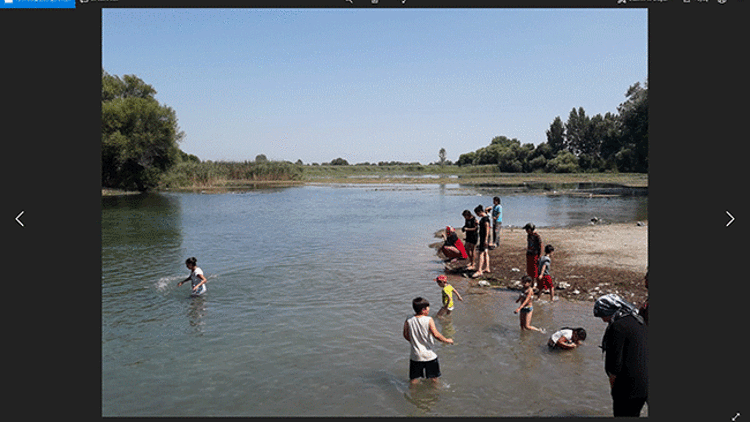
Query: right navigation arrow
730, 221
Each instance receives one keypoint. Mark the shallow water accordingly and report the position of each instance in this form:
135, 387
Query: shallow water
307, 294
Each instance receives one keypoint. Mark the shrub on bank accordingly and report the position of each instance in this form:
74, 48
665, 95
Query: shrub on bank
210, 173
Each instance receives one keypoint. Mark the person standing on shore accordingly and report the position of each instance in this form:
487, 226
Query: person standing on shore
483, 257
470, 228
544, 281
420, 332
625, 344
533, 250
497, 220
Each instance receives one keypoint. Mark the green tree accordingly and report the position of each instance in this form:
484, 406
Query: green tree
556, 135
139, 136
466, 159
576, 128
339, 162
634, 138
441, 156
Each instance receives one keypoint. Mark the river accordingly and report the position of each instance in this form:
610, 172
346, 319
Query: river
308, 289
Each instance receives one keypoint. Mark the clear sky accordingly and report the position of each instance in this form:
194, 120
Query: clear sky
374, 85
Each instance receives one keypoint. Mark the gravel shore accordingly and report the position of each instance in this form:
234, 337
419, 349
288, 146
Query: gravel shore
588, 261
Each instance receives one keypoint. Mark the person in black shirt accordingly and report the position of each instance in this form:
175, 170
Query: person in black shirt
626, 354
484, 242
470, 228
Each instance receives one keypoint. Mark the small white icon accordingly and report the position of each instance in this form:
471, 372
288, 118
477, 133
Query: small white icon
8, 1
17, 219
736, 416
722, 1
374, 1
350, 1
622, 1
730, 222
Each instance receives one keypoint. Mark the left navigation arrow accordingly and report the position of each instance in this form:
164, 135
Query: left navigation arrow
18, 217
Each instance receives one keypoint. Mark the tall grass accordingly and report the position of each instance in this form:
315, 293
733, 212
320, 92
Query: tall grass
328, 171
227, 174
223, 174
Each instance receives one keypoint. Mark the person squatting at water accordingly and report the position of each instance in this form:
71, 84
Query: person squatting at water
453, 248
567, 338
625, 345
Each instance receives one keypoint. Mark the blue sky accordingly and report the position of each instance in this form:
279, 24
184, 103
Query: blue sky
374, 85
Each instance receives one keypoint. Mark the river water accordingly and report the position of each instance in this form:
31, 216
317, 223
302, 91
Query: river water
308, 289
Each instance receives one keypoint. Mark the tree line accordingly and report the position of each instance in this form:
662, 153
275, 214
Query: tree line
613, 142
140, 139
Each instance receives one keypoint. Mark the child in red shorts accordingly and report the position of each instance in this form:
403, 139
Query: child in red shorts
545, 280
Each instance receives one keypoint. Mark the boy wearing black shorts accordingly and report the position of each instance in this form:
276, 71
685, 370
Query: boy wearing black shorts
421, 333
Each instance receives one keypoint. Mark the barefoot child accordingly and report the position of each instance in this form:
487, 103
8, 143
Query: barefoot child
196, 277
470, 228
545, 280
525, 308
484, 242
448, 292
421, 333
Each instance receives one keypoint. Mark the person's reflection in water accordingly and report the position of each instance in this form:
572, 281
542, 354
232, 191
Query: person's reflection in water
423, 396
196, 312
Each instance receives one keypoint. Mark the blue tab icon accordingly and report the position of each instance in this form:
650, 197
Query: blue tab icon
38, 4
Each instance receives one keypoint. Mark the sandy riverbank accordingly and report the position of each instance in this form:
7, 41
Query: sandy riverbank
588, 261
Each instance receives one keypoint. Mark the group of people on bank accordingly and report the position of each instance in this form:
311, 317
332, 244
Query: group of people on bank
624, 342
481, 236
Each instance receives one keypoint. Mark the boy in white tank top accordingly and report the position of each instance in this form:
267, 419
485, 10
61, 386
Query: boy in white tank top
421, 333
